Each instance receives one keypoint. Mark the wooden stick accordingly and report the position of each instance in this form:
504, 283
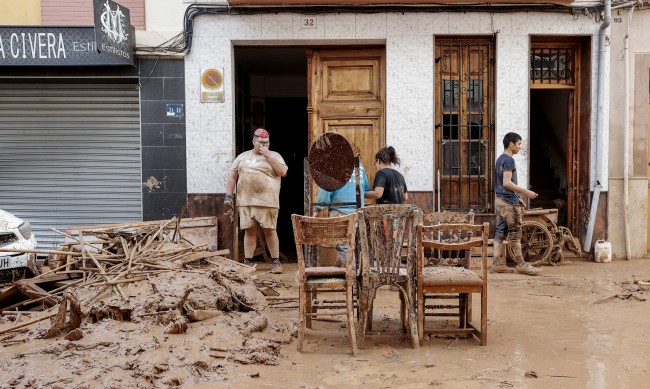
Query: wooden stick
17, 312
72, 253
119, 281
101, 268
230, 261
288, 298
55, 269
77, 240
167, 268
25, 324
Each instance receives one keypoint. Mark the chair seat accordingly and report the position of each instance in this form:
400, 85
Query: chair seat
445, 275
324, 271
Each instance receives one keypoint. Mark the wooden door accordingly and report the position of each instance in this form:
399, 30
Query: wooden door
464, 100
347, 96
572, 163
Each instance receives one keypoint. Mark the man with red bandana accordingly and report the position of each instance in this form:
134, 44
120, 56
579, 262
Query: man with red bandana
257, 174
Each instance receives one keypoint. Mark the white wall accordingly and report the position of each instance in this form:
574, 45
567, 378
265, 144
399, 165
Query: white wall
163, 19
409, 40
639, 60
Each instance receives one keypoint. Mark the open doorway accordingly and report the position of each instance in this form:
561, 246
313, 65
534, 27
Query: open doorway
271, 92
549, 148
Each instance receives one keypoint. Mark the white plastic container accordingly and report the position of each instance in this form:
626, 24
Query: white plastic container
602, 251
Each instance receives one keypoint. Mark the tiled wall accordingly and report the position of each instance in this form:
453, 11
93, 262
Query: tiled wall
409, 39
164, 166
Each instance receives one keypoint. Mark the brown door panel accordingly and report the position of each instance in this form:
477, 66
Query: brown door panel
347, 96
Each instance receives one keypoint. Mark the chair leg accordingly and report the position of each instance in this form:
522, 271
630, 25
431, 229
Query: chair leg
402, 312
303, 315
308, 300
413, 322
363, 307
469, 308
484, 317
351, 325
462, 310
420, 302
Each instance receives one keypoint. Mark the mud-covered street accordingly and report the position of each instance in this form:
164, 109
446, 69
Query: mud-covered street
579, 325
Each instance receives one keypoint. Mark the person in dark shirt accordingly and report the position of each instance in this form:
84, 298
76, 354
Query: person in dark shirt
509, 208
389, 186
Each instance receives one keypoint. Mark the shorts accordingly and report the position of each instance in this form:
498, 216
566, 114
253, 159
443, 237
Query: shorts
266, 217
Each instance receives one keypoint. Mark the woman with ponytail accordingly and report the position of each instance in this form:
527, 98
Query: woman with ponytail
389, 186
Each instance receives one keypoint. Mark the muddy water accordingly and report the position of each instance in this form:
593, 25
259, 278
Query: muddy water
544, 332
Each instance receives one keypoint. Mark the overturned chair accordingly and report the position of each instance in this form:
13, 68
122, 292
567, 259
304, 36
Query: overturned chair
313, 279
443, 269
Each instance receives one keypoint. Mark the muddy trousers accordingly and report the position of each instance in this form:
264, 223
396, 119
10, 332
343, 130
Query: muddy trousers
509, 222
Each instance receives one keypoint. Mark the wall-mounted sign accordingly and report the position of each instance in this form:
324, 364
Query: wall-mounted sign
176, 110
51, 46
212, 86
113, 31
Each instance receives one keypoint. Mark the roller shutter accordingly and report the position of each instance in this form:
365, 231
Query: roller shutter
70, 154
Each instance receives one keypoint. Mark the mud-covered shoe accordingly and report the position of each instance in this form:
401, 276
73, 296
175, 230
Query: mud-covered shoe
276, 267
527, 269
501, 269
247, 262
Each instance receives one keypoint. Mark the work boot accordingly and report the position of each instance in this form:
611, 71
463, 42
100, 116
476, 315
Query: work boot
248, 262
527, 269
499, 260
276, 267
523, 267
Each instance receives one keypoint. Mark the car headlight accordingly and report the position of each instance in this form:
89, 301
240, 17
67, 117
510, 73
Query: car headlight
25, 230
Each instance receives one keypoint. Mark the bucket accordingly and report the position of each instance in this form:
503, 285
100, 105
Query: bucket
602, 251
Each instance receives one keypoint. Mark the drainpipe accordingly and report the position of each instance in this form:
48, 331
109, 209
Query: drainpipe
599, 123
626, 139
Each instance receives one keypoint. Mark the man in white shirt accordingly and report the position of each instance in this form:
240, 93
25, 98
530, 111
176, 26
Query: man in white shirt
257, 173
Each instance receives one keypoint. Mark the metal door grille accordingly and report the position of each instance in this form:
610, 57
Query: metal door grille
552, 65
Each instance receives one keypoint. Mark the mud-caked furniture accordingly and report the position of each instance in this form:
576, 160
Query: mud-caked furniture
443, 267
310, 232
448, 305
387, 236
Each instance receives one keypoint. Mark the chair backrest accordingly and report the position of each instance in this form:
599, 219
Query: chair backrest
311, 231
446, 217
438, 257
385, 231
450, 244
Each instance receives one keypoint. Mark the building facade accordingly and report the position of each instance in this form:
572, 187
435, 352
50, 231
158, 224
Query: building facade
628, 138
441, 85
86, 139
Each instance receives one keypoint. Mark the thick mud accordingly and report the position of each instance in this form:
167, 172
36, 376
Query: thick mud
579, 325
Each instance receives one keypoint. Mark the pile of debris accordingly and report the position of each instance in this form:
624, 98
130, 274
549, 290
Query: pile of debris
163, 273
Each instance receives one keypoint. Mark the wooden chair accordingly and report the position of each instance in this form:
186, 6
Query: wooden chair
384, 231
449, 273
308, 233
448, 305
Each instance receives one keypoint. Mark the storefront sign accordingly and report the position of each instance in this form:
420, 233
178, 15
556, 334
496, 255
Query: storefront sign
113, 32
51, 46
212, 86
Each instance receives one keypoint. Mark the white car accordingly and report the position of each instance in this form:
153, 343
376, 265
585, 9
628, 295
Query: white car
16, 234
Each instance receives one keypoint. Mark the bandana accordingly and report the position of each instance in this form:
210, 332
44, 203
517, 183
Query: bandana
261, 133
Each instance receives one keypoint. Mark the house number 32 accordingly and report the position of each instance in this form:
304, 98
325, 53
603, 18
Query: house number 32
308, 23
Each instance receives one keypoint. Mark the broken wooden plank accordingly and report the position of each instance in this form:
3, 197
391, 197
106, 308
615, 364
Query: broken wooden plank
34, 291
27, 323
